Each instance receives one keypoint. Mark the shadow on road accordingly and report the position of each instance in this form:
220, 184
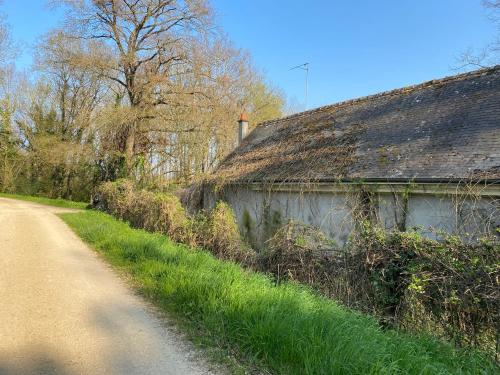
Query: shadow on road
35, 361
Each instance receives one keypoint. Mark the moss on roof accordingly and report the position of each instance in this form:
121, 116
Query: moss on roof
441, 129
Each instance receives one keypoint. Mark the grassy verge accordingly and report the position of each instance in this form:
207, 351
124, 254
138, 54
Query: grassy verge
286, 329
47, 201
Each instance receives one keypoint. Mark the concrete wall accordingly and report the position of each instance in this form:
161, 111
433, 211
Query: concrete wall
261, 212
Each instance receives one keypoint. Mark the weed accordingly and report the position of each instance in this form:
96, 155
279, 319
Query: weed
286, 329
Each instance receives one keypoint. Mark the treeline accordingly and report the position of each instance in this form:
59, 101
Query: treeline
148, 90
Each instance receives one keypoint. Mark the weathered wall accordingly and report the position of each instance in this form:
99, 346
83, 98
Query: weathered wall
261, 212
454, 214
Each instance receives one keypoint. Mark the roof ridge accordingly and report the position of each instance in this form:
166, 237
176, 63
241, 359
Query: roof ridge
425, 84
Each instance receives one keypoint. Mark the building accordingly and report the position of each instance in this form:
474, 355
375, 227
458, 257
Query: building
423, 156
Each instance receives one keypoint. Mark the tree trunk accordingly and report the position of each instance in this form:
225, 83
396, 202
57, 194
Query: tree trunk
129, 150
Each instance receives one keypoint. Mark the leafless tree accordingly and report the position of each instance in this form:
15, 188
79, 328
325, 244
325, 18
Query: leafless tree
490, 54
147, 40
78, 91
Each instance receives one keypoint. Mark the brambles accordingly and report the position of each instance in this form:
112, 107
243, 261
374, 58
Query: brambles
447, 287
283, 329
302, 253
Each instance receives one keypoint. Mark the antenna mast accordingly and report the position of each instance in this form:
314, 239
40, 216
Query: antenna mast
304, 67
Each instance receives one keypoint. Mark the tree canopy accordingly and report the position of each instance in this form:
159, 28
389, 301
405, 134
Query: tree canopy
145, 89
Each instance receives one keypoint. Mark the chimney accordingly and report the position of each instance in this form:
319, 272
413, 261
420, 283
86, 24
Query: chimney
242, 128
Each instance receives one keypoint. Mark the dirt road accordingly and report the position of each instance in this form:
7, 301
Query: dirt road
63, 311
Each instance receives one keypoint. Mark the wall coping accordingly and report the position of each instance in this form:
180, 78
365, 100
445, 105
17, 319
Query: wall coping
477, 189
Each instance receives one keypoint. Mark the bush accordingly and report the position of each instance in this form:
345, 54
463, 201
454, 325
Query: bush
284, 329
167, 216
449, 287
300, 252
155, 212
304, 254
217, 230
219, 233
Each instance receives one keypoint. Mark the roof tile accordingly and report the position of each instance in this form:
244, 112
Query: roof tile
441, 129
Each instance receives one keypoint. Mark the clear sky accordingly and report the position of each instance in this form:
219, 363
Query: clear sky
354, 48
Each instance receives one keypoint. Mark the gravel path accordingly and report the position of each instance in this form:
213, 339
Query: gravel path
63, 310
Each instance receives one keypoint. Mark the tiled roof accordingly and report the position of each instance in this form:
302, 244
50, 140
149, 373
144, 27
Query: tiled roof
441, 129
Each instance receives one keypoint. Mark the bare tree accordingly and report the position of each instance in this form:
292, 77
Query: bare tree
78, 91
490, 54
147, 39
7, 45
9, 161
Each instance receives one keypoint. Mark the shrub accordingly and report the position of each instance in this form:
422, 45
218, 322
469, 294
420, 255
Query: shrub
219, 232
283, 329
303, 253
300, 252
448, 287
155, 212
109, 197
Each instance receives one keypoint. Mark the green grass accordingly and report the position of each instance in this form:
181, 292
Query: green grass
47, 201
285, 329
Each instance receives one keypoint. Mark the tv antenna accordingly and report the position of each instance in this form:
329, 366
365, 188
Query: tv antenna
304, 67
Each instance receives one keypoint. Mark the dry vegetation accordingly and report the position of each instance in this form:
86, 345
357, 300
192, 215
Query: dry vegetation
149, 91
277, 329
216, 230
449, 288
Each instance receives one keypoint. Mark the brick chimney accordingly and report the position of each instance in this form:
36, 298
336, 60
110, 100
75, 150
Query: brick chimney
242, 127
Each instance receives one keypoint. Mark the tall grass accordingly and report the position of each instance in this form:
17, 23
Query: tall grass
287, 328
46, 201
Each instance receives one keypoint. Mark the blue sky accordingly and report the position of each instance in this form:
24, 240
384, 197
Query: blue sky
354, 48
